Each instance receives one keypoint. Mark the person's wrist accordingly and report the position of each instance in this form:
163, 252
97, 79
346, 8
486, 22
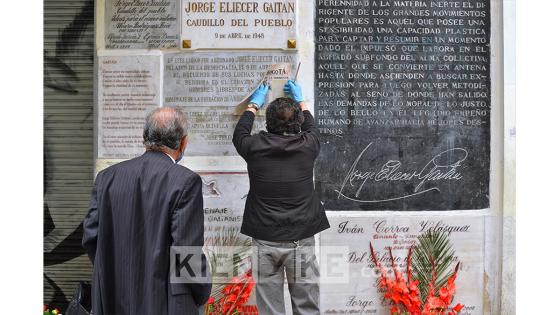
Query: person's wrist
254, 105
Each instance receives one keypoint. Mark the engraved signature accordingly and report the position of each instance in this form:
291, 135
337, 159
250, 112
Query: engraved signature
392, 171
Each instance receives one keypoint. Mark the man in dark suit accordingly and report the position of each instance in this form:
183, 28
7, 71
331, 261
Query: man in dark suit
282, 212
139, 210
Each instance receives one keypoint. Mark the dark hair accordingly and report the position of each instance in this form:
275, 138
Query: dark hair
165, 127
284, 115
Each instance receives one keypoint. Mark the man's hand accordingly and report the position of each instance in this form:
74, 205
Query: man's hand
259, 97
293, 90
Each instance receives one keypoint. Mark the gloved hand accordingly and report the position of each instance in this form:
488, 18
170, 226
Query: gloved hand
293, 89
259, 97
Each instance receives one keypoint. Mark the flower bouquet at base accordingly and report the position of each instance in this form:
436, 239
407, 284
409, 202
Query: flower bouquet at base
229, 254
235, 296
429, 286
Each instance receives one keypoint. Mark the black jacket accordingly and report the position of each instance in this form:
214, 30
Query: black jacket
139, 208
282, 204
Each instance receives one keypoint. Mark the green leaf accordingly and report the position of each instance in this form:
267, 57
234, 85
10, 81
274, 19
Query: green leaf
433, 252
229, 249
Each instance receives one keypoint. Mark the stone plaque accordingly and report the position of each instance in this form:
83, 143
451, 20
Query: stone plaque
257, 24
211, 130
224, 200
208, 86
402, 100
132, 24
128, 88
349, 236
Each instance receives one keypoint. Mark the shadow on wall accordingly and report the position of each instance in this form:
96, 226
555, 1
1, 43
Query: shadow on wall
68, 104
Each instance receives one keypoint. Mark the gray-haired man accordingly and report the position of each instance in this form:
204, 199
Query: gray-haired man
139, 209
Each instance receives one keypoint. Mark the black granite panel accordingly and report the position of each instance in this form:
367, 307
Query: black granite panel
402, 99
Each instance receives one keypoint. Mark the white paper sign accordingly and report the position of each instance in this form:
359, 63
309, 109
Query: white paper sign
275, 77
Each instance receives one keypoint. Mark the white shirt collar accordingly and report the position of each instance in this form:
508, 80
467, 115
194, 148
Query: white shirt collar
172, 159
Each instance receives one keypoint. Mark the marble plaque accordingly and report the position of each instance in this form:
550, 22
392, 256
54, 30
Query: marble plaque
350, 235
128, 88
134, 24
211, 130
208, 87
223, 24
402, 101
224, 201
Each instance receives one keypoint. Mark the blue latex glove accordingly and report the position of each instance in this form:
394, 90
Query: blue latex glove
293, 90
259, 97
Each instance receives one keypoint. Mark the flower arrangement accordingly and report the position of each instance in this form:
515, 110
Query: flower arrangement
235, 296
229, 251
429, 287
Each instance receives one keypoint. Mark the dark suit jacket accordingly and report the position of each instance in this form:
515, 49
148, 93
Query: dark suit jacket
139, 209
282, 204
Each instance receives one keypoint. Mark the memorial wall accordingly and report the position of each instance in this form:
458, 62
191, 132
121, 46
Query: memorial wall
401, 91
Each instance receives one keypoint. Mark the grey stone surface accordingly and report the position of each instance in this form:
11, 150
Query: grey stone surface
211, 130
128, 88
348, 285
132, 24
208, 86
508, 267
224, 200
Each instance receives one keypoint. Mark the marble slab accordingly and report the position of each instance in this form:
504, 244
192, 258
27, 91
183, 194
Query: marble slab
350, 287
134, 24
128, 88
208, 86
224, 200
226, 24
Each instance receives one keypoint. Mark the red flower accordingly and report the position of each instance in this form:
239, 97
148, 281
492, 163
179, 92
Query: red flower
405, 295
235, 295
456, 309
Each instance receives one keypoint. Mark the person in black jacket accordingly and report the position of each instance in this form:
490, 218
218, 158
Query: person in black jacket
140, 210
282, 210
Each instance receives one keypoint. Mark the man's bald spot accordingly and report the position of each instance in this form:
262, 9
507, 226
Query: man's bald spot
165, 127
163, 116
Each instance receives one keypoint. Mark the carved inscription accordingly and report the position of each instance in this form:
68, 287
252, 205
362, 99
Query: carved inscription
402, 100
